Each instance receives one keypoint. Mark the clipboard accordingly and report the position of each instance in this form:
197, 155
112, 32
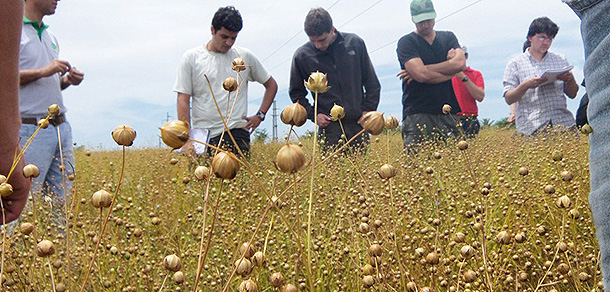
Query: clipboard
551, 74
199, 134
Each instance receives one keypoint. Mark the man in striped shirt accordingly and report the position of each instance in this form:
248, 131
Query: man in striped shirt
539, 105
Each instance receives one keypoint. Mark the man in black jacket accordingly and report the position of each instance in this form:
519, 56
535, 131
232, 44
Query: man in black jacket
351, 76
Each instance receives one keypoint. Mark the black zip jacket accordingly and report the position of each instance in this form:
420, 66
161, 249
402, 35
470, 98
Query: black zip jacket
350, 73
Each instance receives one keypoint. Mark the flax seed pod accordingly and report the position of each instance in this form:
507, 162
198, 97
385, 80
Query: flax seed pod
175, 133
337, 112
373, 122
248, 286
387, 171
391, 122
294, 114
124, 135
230, 84
101, 199
317, 82
225, 165
26, 228
243, 267
31, 171
172, 263
202, 172
6, 189
238, 64
290, 158
53, 109
446, 109
276, 279
45, 248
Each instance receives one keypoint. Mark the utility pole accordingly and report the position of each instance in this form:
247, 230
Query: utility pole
167, 117
274, 115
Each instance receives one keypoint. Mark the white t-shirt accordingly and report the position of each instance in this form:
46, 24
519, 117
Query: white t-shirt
198, 62
34, 52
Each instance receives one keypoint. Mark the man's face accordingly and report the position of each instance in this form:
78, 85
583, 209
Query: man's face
425, 27
47, 7
323, 41
222, 40
541, 42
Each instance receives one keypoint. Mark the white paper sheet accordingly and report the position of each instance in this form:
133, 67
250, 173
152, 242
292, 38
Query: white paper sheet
551, 74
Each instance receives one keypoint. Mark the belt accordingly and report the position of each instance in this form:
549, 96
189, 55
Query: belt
55, 121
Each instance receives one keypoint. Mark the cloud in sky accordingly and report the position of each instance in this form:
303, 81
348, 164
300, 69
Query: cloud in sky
129, 51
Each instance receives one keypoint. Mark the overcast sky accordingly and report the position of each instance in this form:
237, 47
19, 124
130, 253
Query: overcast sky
129, 51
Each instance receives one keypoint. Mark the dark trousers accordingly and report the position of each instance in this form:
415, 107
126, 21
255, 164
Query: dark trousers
242, 137
417, 128
470, 125
332, 133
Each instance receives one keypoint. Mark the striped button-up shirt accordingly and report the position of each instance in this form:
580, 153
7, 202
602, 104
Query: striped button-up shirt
539, 106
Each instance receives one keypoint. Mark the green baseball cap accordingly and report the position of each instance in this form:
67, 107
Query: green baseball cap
422, 10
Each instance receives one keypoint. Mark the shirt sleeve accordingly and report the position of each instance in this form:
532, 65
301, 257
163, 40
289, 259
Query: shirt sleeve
406, 50
478, 80
452, 41
297, 90
184, 82
258, 72
370, 82
511, 79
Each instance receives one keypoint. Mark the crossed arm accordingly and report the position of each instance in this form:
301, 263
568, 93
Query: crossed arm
434, 73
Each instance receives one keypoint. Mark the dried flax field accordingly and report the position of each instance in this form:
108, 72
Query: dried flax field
504, 213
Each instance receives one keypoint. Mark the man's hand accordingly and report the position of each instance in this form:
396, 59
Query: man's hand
323, 120
14, 203
405, 76
511, 118
252, 122
534, 82
566, 77
74, 76
363, 113
56, 66
188, 149
460, 75
451, 54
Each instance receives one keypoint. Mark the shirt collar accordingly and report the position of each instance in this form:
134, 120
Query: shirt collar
39, 27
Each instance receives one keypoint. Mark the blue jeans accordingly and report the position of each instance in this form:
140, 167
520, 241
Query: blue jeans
596, 40
44, 153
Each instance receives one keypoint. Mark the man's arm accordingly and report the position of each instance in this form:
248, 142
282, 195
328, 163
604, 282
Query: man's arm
270, 90
74, 77
56, 66
372, 87
477, 92
10, 20
456, 63
570, 86
297, 90
184, 114
516, 94
416, 70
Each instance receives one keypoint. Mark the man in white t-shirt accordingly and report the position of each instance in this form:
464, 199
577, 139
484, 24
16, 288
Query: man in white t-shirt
214, 60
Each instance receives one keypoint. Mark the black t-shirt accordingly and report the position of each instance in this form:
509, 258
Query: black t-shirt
421, 97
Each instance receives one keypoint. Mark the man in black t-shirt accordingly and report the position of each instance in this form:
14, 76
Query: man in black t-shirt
428, 60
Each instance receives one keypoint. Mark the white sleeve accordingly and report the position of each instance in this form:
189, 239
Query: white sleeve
258, 72
184, 82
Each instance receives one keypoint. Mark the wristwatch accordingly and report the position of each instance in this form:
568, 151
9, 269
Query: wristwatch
465, 79
261, 115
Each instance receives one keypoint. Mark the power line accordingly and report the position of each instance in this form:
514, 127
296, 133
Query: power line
440, 19
362, 12
292, 37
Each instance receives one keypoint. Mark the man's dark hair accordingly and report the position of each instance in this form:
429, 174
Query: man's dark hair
541, 25
227, 17
317, 22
